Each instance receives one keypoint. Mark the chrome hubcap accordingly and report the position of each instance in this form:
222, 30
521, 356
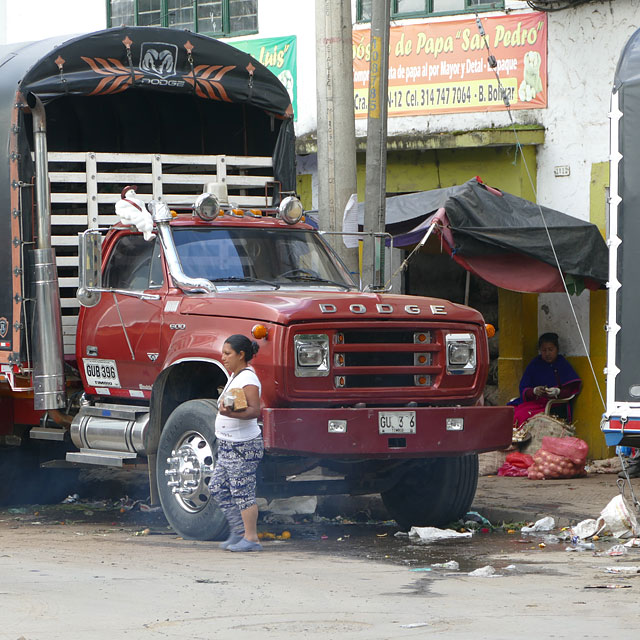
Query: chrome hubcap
190, 468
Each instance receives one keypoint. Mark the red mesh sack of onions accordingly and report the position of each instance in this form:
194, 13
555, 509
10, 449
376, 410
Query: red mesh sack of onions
573, 448
547, 465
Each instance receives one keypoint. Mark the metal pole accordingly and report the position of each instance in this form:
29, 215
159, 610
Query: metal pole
376, 182
336, 123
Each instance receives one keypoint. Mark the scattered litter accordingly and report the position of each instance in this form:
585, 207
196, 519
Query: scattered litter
474, 516
585, 529
511, 567
18, 510
551, 539
634, 542
71, 499
147, 509
431, 534
617, 550
622, 569
401, 534
127, 504
414, 625
420, 569
381, 535
608, 586
484, 572
618, 519
544, 524
276, 518
266, 535
144, 532
451, 565
581, 546
293, 506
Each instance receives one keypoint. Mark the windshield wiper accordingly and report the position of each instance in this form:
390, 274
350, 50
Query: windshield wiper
245, 279
310, 278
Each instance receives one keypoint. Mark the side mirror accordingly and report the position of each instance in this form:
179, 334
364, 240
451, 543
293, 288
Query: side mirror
90, 268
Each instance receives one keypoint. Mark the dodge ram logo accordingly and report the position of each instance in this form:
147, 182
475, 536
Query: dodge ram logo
159, 58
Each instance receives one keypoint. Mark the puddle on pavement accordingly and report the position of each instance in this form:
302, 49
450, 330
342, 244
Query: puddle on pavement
378, 542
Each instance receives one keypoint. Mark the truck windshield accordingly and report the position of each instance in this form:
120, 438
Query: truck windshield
258, 257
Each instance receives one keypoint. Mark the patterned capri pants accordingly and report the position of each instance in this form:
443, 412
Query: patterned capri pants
233, 484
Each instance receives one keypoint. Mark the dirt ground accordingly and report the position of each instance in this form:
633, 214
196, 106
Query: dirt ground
100, 571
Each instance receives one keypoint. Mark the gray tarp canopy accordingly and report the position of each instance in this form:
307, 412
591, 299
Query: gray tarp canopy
501, 237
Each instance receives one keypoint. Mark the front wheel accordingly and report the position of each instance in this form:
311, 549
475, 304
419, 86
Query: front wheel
433, 492
186, 457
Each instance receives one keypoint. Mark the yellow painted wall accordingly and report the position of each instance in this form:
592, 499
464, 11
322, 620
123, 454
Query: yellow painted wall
304, 189
499, 167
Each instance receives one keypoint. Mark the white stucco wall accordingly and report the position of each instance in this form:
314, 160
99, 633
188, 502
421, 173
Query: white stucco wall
28, 20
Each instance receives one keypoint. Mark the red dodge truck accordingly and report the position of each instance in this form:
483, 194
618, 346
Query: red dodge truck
383, 390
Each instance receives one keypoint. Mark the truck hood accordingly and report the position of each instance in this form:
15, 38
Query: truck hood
304, 306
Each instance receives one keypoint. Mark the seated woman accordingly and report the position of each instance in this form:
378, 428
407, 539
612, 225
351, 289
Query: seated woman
547, 376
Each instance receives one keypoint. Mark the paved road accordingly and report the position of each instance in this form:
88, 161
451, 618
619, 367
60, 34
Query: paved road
93, 577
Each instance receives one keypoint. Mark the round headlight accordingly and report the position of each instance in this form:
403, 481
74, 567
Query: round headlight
290, 210
207, 207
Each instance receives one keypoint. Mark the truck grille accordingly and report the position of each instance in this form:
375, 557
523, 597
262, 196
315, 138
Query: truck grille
365, 358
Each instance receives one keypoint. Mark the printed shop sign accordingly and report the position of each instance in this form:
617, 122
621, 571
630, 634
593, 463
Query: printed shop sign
280, 57
442, 67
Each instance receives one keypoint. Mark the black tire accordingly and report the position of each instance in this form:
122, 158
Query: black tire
433, 492
190, 430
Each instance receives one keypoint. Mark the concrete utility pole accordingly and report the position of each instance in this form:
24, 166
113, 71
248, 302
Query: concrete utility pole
336, 123
376, 182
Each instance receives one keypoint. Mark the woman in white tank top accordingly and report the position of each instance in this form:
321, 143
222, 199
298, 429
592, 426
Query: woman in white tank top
240, 447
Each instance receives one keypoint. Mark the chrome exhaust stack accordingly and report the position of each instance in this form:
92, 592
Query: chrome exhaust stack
48, 354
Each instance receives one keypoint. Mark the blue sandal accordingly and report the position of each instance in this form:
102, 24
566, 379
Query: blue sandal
245, 545
233, 538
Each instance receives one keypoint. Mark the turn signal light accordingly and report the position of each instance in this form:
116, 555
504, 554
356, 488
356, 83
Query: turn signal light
259, 331
491, 330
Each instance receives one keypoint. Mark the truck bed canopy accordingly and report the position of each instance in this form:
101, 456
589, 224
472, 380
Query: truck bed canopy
143, 89
500, 237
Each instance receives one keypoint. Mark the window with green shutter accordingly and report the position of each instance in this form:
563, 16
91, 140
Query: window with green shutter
420, 8
211, 17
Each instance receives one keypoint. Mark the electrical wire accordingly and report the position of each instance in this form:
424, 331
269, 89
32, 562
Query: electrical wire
493, 64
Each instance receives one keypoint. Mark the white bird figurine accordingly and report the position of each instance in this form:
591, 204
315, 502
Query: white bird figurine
132, 210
